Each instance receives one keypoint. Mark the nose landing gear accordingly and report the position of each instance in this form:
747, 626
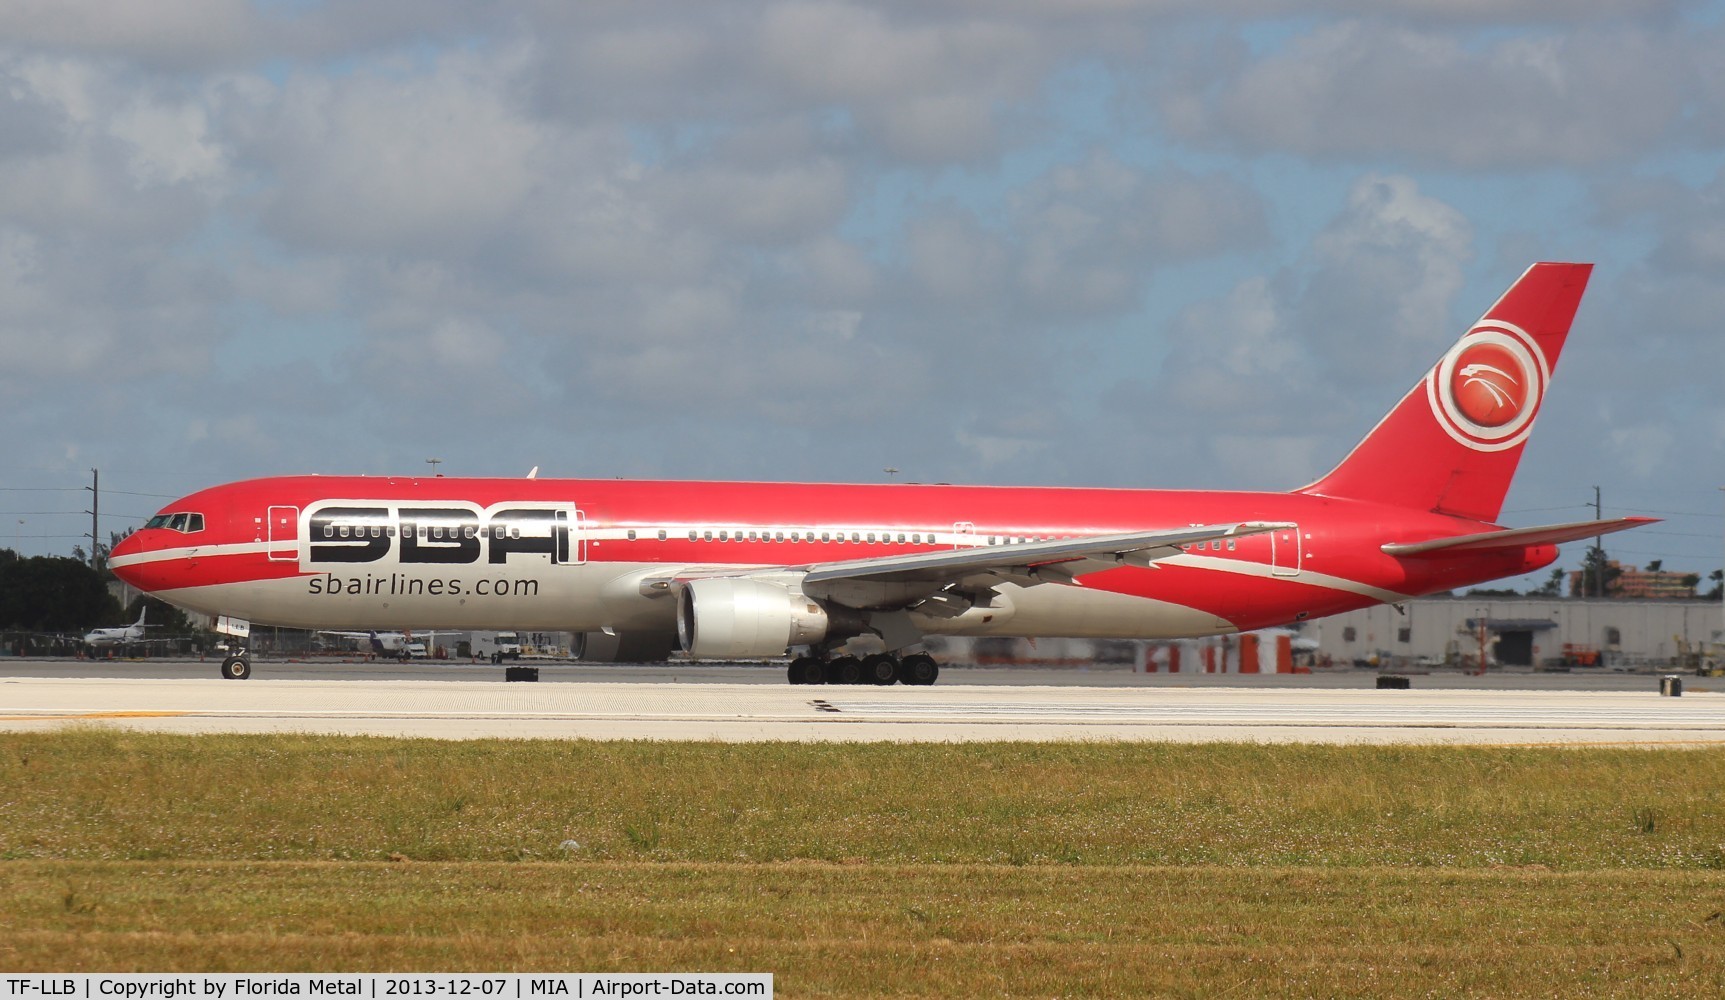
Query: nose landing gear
881, 669
237, 666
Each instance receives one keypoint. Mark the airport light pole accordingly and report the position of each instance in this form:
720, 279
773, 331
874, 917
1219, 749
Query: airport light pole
434, 463
95, 507
1598, 549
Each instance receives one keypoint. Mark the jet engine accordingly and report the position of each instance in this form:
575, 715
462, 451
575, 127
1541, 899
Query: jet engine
724, 618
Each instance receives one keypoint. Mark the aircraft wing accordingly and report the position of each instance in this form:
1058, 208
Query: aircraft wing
902, 580
1060, 561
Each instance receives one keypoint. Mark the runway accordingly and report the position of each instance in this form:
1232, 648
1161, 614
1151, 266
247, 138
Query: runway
708, 709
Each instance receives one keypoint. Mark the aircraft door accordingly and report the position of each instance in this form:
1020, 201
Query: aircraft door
571, 534
964, 535
1286, 550
282, 532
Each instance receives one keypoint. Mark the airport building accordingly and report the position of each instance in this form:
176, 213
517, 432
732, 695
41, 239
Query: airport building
1521, 631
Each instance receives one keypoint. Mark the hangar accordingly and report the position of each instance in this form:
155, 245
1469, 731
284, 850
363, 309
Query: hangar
1521, 631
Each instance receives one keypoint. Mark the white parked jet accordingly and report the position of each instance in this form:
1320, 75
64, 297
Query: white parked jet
387, 645
121, 635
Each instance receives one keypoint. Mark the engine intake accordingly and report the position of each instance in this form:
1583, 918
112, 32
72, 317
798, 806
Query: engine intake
726, 618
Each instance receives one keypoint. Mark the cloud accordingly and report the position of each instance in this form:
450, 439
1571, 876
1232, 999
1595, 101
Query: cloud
1329, 339
1373, 89
1093, 232
926, 91
169, 35
1384, 275
388, 161
771, 204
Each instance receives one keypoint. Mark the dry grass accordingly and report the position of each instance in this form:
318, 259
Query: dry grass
874, 929
853, 870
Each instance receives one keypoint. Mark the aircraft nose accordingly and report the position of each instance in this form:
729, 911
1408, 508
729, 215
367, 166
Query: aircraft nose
120, 560
128, 546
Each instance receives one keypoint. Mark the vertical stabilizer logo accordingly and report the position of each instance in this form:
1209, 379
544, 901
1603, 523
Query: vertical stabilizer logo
1487, 389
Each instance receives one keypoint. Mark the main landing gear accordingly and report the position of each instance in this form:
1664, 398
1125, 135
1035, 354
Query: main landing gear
881, 668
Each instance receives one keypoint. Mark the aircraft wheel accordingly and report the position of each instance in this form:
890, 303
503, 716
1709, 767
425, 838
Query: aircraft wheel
881, 669
845, 670
919, 668
806, 670
236, 668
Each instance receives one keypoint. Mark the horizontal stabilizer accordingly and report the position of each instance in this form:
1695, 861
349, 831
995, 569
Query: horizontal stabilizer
1516, 538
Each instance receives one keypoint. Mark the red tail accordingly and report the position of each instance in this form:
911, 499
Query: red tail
1452, 444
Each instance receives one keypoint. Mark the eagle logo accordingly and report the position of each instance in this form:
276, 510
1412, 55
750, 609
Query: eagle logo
1487, 389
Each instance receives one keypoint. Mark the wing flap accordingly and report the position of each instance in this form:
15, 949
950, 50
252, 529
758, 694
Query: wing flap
1515, 538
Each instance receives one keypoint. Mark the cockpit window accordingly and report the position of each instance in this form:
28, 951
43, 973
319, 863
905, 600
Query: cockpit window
184, 521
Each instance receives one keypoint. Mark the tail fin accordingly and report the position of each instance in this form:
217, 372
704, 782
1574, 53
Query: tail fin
1453, 442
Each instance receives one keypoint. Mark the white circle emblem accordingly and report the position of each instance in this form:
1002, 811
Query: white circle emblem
1487, 389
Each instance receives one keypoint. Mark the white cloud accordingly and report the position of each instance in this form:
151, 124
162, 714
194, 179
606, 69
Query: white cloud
1371, 89
927, 90
1385, 274
170, 144
167, 34
1094, 232
768, 204
394, 161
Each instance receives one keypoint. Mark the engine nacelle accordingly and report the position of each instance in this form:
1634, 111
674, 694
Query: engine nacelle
726, 618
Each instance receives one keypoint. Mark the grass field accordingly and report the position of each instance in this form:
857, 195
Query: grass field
851, 870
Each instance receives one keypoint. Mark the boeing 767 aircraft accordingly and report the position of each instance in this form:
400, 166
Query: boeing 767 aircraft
745, 570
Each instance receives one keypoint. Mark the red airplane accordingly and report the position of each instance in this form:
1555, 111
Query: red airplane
744, 570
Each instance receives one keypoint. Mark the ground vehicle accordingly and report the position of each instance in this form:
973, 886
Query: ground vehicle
496, 646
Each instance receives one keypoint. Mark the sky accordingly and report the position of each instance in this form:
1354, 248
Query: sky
1125, 243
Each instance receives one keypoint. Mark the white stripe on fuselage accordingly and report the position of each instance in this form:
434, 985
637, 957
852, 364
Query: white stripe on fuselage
1242, 567
192, 552
598, 573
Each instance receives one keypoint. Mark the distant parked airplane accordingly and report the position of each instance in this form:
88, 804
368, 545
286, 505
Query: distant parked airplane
386, 645
746, 570
119, 636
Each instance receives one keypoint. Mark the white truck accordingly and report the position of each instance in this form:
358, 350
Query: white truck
496, 646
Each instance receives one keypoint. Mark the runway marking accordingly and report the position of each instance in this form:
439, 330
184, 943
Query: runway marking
51, 716
1374, 715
